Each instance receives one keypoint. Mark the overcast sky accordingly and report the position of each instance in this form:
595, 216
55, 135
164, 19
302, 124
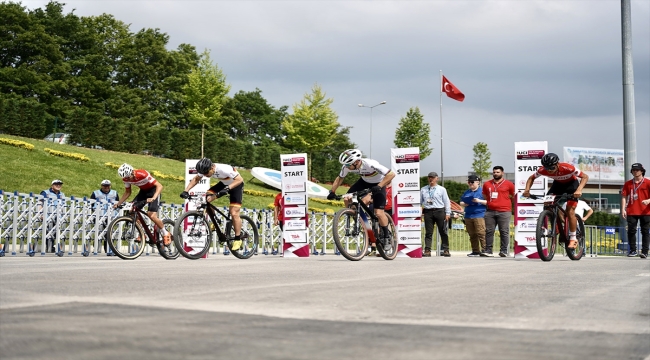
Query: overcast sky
530, 70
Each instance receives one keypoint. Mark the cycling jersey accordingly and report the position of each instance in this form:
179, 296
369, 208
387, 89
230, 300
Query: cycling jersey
565, 173
224, 173
370, 170
143, 180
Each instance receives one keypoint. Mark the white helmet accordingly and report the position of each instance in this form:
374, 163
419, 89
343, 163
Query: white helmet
125, 171
350, 156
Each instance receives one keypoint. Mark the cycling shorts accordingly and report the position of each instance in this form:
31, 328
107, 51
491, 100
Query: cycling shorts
378, 200
559, 188
236, 194
146, 194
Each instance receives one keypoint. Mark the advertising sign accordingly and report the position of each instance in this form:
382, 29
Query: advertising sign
603, 164
293, 173
405, 163
528, 157
193, 245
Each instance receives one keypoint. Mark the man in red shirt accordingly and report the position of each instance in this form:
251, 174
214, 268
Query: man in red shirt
635, 207
499, 193
565, 181
150, 190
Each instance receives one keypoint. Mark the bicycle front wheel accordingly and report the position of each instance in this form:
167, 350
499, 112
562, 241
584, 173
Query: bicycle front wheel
381, 248
192, 235
349, 234
169, 252
126, 239
546, 235
579, 251
249, 236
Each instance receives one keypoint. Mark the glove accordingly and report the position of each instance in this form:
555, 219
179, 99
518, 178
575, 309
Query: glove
185, 195
331, 195
223, 192
375, 189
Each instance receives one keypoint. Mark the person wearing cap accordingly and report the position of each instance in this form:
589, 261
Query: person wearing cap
475, 206
105, 194
54, 196
499, 193
635, 208
436, 208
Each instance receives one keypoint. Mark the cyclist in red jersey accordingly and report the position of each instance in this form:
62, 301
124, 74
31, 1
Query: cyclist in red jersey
150, 190
565, 181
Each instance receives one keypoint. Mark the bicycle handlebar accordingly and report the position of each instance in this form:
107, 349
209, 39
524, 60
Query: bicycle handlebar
358, 194
562, 197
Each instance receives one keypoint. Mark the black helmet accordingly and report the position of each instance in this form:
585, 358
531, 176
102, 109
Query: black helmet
550, 159
203, 166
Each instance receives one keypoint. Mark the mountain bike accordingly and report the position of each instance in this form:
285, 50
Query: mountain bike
356, 226
552, 224
127, 235
193, 231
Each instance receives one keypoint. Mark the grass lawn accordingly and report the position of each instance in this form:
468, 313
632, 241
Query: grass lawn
28, 171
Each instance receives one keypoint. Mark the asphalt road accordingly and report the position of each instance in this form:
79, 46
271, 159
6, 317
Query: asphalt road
324, 307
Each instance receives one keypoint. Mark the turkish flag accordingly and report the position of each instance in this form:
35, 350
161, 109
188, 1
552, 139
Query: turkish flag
451, 90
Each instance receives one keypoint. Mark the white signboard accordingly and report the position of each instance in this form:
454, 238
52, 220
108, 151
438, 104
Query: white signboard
528, 157
409, 225
295, 199
603, 164
408, 198
405, 163
410, 237
293, 224
292, 212
294, 190
409, 211
527, 211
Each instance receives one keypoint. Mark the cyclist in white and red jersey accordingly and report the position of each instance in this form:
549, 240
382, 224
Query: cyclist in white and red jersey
565, 181
150, 190
230, 183
374, 176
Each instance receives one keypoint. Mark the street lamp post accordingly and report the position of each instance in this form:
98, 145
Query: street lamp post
371, 107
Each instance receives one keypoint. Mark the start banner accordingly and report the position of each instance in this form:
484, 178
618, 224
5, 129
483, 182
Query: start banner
294, 190
405, 163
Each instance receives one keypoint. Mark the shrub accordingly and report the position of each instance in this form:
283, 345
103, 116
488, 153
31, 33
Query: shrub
75, 156
17, 143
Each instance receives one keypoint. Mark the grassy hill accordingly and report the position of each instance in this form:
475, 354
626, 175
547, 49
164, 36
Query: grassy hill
33, 170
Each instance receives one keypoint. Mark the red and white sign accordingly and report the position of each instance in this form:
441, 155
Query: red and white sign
409, 225
293, 212
405, 163
294, 190
408, 198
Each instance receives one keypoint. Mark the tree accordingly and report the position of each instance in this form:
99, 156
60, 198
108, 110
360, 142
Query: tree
205, 93
414, 132
481, 163
313, 124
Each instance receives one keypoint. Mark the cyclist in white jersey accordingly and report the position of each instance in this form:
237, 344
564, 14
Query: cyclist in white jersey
374, 176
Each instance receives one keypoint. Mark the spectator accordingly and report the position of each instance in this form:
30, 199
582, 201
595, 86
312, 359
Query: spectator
278, 215
499, 193
436, 208
635, 207
105, 193
472, 200
581, 208
56, 195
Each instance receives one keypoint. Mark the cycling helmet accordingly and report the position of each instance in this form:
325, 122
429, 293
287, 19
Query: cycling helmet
550, 159
203, 166
349, 156
125, 171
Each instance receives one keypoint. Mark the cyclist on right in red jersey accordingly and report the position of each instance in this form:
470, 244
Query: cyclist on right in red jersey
565, 181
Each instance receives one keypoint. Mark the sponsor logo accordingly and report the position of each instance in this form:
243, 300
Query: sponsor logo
409, 185
294, 212
610, 230
530, 238
294, 161
408, 198
407, 171
294, 236
408, 212
193, 171
529, 211
407, 158
530, 154
538, 181
409, 225
294, 199
291, 187
527, 225
294, 224
523, 168
410, 238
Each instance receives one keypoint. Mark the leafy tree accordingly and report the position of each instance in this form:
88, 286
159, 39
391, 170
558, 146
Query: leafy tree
414, 132
482, 163
205, 93
313, 124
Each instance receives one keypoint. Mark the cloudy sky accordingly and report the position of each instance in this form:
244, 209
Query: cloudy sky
530, 70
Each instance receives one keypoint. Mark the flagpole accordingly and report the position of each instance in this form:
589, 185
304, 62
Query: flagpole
442, 171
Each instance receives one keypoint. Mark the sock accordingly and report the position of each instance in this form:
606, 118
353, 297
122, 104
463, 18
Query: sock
572, 235
384, 230
237, 237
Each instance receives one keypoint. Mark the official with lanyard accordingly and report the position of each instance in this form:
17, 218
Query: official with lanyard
436, 209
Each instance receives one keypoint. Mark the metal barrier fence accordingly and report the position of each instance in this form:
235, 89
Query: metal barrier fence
33, 224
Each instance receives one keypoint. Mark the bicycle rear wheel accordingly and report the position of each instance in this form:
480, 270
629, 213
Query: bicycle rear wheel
249, 236
169, 252
192, 235
125, 240
579, 251
349, 234
392, 253
546, 236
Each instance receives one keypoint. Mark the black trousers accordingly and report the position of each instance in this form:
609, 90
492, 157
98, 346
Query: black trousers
437, 217
644, 220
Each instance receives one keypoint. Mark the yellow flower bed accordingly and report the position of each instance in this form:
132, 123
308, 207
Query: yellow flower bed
112, 165
75, 156
17, 143
259, 193
160, 175
329, 202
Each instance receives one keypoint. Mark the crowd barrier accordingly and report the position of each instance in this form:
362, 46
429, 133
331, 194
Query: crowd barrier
30, 224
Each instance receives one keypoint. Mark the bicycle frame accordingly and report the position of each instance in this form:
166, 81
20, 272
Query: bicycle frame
557, 210
211, 211
138, 216
368, 218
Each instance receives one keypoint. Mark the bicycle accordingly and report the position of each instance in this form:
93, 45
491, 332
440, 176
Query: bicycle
550, 226
356, 226
125, 235
193, 232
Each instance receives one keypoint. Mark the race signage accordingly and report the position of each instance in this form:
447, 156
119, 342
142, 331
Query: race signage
528, 157
199, 189
405, 163
295, 233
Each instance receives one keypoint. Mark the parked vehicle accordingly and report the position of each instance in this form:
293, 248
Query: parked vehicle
59, 138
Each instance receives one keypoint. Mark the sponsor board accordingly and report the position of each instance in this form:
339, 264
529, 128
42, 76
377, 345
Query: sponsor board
294, 199
408, 185
530, 154
293, 161
457, 226
529, 211
408, 224
293, 186
294, 224
538, 184
294, 236
409, 237
409, 211
295, 212
407, 158
527, 225
525, 238
610, 231
408, 197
